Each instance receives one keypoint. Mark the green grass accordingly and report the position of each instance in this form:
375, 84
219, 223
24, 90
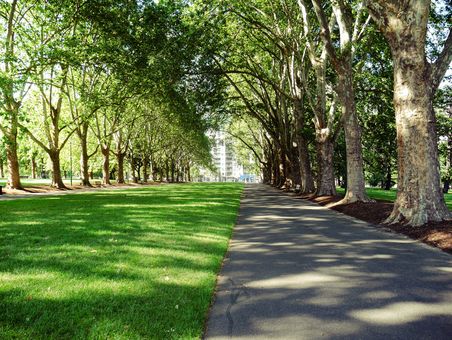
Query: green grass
28, 182
129, 264
390, 195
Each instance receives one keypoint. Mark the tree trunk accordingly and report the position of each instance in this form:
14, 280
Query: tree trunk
138, 172
57, 179
13, 181
33, 166
294, 167
145, 169
173, 169
106, 164
419, 197
84, 167
325, 173
120, 160
2, 169
167, 171
307, 178
356, 190
388, 182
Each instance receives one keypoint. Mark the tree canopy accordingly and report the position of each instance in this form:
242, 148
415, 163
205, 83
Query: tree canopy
315, 94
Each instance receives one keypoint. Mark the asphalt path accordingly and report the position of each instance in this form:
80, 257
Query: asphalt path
295, 270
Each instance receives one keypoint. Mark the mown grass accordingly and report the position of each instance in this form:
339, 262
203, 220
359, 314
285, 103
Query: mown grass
29, 182
129, 264
390, 195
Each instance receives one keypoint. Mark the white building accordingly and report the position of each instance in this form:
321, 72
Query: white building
226, 166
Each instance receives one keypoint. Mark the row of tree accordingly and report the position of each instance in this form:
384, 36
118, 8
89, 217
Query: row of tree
108, 78
302, 81
313, 74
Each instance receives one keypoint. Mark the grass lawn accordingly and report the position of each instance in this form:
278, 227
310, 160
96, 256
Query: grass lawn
390, 195
129, 264
27, 182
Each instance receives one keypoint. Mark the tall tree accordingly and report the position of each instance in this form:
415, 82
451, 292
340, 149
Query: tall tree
349, 32
404, 25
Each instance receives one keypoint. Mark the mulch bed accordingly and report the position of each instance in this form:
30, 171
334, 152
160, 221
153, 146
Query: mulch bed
435, 234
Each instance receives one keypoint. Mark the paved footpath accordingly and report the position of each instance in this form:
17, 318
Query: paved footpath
296, 270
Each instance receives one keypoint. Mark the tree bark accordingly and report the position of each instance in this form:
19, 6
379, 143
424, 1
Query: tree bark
325, 173
120, 160
57, 179
173, 169
105, 149
342, 64
33, 166
356, 190
419, 197
13, 181
388, 182
2, 169
145, 169
306, 177
84, 158
11, 105
82, 133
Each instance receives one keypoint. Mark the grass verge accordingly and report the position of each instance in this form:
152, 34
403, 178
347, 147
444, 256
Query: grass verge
129, 264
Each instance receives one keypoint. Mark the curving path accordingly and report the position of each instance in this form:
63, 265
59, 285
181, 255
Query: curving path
296, 270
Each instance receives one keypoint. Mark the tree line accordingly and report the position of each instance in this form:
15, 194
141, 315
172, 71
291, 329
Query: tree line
310, 77
106, 81
321, 92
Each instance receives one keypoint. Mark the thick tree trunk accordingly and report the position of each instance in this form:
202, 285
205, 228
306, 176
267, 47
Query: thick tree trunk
145, 169
2, 169
307, 179
356, 190
294, 168
419, 197
33, 166
120, 160
388, 182
167, 171
106, 164
173, 169
278, 179
325, 173
323, 131
57, 179
84, 167
13, 181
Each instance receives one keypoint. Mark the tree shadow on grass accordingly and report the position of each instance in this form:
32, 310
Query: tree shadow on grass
123, 264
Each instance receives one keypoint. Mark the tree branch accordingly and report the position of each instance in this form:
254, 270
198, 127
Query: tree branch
440, 67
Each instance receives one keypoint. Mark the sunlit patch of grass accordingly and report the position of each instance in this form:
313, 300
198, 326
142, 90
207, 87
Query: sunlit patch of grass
137, 263
390, 195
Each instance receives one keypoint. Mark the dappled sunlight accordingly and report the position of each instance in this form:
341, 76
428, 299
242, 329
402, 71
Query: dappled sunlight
402, 312
323, 275
110, 258
381, 241
445, 269
295, 281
